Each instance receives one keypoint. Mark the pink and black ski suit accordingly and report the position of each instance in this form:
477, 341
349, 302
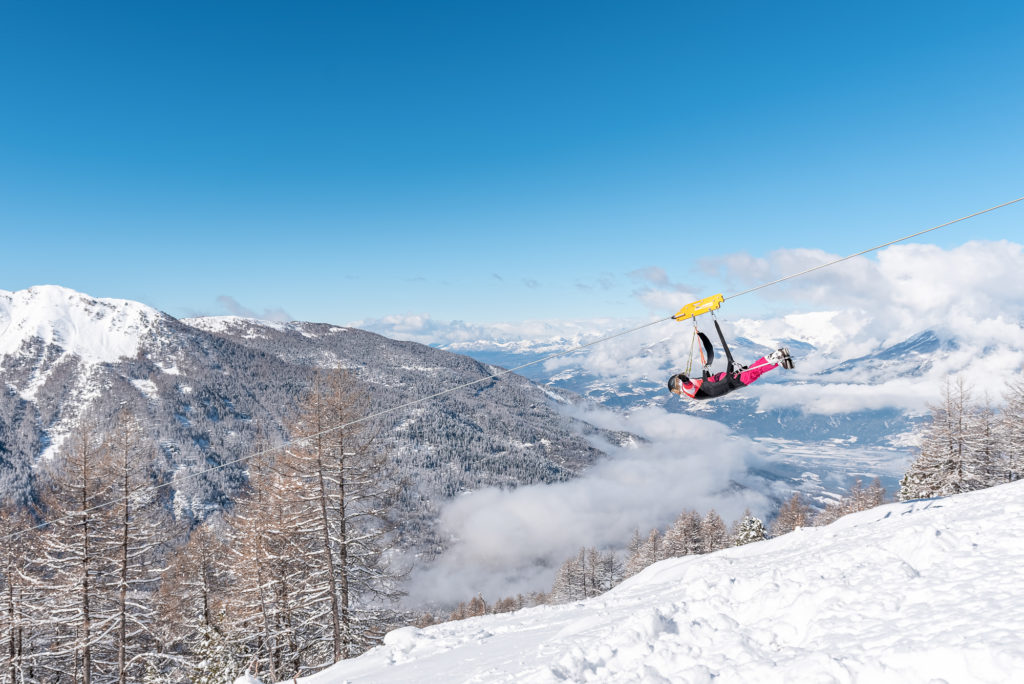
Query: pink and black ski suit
722, 383
710, 386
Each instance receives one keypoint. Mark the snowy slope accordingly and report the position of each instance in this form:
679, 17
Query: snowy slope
926, 591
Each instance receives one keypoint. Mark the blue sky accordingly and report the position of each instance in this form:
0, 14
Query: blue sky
488, 161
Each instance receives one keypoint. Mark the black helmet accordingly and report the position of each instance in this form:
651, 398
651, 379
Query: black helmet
676, 380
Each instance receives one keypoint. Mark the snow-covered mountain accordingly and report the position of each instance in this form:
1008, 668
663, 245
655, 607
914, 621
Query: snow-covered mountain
924, 591
94, 330
203, 385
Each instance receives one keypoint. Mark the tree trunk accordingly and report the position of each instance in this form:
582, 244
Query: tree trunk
346, 618
122, 605
331, 577
12, 644
86, 636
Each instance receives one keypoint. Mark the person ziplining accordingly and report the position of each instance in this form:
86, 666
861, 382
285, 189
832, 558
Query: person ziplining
710, 386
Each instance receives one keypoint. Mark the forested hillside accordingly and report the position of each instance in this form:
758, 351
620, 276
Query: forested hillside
204, 388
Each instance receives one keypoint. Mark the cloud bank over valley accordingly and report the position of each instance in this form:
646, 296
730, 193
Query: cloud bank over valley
507, 542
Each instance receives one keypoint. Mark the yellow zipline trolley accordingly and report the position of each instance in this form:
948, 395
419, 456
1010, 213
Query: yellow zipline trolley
701, 306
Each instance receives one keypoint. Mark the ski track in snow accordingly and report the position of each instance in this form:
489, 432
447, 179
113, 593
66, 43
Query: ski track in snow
924, 591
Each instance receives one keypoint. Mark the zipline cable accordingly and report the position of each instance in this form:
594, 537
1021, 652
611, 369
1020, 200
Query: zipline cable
494, 376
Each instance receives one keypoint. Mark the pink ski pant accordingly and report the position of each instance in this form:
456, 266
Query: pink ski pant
756, 370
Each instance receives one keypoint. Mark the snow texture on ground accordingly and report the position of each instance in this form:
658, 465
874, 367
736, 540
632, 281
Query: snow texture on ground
925, 591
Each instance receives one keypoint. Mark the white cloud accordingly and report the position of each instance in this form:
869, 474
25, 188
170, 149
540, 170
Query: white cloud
659, 293
653, 274
908, 288
910, 396
507, 542
453, 334
826, 330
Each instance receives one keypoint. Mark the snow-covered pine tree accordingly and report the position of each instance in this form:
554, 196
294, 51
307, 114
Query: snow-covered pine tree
570, 580
140, 528
987, 445
1011, 426
592, 572
72, 569
648, 552
16, 627
947, 463
686, 536
344, 488
714, 533
476, 607
218, 661
652, 548
866, 498
833, 511
604, 571
264, 564
460, 612
192, 593
859, 498
611, 570
506, 605
792, 514
633, 551
748, 529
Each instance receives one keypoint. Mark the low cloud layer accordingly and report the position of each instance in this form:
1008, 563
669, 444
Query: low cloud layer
507, 542
424, 329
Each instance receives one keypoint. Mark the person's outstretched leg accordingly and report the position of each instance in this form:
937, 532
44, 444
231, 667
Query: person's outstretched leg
756, 370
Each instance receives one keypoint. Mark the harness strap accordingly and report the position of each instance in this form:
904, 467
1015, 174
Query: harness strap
709, 356
731, 376
693, 340
725, 346
706, 349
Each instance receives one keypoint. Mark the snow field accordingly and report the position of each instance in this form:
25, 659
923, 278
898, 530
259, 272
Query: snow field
926, 591
97, 330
